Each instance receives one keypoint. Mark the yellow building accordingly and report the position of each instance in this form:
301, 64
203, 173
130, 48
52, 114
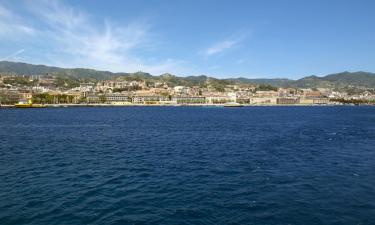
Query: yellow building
263, 101
26, 96
306, 101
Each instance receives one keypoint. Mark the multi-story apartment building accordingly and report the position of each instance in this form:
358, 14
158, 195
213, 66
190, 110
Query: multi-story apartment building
189, 99
117, 97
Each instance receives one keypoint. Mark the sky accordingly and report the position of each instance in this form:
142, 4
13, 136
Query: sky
219, 38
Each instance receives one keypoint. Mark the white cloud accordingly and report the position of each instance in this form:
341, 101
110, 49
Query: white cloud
222, 46
71, 37
13, 56
12, 25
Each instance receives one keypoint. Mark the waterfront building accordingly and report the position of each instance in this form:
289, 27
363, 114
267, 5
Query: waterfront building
149, 99
243, 100
189, 99
117, 97
92, 98
75, 96
219, 99
263, 101
311, 101
321, 101
287, 101
120, 103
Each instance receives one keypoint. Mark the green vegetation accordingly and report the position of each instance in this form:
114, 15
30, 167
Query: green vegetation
70, 78
67, 82
102, 98
45, 98
353, 101
266, 87
19, 81
133, 88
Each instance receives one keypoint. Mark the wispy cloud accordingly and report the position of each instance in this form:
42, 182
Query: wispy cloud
223, 45
72, 37
13, 56
12, 25
241, 61
220, 47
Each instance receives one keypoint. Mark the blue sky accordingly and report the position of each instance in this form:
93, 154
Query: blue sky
220, 38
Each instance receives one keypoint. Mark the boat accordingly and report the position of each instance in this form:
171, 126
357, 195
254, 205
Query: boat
28, 104
233, 104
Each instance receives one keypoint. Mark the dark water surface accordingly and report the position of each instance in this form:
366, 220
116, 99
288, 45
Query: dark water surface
181, 165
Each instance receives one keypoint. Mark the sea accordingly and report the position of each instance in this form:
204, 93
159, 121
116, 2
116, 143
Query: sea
188, 165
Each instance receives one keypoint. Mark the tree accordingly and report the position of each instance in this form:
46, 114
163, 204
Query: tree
266, 87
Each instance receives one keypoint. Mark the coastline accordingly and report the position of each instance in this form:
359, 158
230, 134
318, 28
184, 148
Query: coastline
184, 105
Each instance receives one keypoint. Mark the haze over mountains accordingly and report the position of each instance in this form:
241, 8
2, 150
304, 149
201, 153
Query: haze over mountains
339, 80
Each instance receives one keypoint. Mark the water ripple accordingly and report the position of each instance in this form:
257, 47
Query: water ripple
181, 165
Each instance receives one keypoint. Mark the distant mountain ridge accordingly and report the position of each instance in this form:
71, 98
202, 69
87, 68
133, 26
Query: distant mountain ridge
339, 80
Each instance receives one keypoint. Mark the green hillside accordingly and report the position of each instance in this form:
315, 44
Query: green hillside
339, 80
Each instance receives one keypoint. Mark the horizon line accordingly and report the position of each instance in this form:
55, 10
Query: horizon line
184, 76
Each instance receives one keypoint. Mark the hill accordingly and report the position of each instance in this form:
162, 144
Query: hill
339, 80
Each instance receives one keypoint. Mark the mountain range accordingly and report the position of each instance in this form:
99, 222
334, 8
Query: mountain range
362, 80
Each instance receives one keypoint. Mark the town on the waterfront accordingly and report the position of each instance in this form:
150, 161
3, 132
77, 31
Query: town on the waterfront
52, 90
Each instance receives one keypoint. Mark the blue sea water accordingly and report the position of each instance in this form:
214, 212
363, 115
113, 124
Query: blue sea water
187, 165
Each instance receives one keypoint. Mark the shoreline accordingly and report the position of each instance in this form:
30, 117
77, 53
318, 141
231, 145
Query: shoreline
182, 105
